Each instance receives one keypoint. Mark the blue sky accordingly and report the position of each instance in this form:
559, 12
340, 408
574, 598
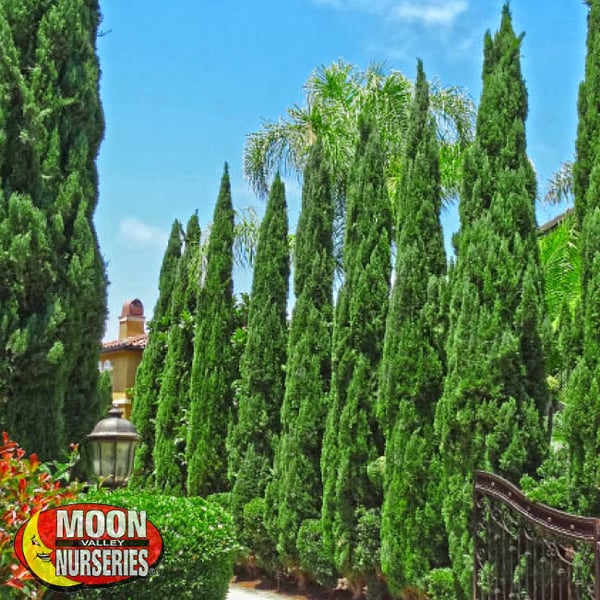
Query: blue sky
183, 84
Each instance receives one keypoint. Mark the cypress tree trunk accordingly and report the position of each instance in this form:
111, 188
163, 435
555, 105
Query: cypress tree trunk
53, 300
295, 493
413, 361
352, 438
173, 400
150, 371
211, 393
491, 412
252, 438
582, 414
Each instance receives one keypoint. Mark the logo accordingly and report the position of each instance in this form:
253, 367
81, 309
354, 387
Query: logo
88, 545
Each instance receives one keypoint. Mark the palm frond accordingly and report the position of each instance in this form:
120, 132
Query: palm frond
454, 112
334, 84
560, 186
561, 262
246, 230
277, 146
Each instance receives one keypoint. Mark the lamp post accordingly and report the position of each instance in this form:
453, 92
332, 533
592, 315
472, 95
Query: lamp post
113, 443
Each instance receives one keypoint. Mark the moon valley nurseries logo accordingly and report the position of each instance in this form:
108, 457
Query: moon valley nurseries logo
88, 545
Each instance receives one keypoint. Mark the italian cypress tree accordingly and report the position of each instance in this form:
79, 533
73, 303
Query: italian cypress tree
150, 371
490, 414
582, 414
53, 309
173, 399
352, 438
588, 126
105, 390
211, 394
295, 494
413, 360
252, 438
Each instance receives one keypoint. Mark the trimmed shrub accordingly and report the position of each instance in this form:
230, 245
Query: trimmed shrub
314, 560
256, 538
440, 584
367, 557
368, 545
552, 484
199, 545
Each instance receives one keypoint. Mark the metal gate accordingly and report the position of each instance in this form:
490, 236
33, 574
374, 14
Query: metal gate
528, 551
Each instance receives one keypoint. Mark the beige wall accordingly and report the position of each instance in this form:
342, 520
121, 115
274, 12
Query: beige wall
124, 364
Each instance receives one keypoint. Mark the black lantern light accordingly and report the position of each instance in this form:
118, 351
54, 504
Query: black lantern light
113, 443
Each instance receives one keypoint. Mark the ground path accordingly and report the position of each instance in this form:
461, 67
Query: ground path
240, 593
261, 590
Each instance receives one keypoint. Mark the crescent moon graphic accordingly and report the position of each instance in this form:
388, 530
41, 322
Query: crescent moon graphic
38, 556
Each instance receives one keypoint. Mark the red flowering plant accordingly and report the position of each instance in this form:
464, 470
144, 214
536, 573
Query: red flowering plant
26, 487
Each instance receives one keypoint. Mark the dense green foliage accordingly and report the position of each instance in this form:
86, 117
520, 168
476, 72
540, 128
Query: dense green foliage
413, 360
352, 437
582, 415
52, 279
314, 560
490, 414
295, 492
173, 400
199, 545
211, 393
561, 263
148, 377
262, 364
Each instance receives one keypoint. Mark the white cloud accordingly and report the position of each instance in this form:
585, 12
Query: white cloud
141, 234
427, 12
435, 12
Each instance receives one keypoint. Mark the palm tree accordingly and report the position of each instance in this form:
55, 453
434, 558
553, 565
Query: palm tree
335, 97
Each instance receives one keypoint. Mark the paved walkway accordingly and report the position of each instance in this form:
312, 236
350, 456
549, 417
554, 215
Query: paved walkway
240, 593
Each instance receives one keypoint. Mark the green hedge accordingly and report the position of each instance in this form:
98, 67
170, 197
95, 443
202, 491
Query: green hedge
199, 545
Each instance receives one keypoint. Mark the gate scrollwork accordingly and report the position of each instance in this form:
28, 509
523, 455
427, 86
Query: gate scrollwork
528, 551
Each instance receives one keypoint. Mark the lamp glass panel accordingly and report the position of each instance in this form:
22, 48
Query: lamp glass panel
96, 458
107, 459
123, 451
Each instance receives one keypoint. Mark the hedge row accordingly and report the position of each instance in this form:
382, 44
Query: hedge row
199, 546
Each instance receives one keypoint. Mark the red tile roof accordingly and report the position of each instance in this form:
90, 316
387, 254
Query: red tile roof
136, 342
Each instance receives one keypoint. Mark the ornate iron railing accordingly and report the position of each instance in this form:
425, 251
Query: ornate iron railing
528, 551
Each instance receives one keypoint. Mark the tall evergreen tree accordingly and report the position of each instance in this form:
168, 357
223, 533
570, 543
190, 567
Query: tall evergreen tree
211, 393
588, 125
252, 438
53, 284
295, 493
150, 371
490, 414
173, 400
582, 414
352, 437
413, 360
